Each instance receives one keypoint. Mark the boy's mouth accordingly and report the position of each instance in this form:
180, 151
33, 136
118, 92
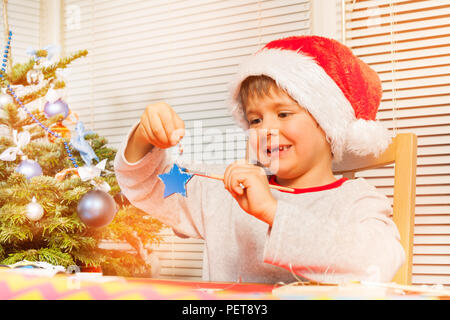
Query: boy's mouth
278, 150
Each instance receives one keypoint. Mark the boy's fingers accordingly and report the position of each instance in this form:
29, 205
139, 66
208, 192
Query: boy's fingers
179, 131
239, 178
239, 183
158, 130
226, 177
237, 169
238, 187
145, 129
165, 116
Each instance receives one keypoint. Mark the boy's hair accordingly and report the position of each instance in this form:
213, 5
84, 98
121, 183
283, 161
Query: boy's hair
259, 86
255, 86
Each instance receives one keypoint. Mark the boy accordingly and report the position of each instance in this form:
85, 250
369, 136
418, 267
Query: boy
307, 101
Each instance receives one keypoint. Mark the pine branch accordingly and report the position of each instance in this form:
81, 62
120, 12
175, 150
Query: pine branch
55, 257
11, 233
19, 73
89, 257
12, 214
69, 242
59, 225
51, 156
12, 117
130, 220
26, 99
99, 145
50, 255
30, 97
4, 121
49, 72
14, 188
14, 121
74, 195
5, 143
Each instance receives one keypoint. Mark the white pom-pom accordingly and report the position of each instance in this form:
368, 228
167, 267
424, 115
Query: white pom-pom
366, 137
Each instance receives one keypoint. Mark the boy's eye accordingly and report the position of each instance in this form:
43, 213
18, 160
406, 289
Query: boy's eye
283, 114
254, 121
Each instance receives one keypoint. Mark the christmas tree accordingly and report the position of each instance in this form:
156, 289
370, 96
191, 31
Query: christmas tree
56, 204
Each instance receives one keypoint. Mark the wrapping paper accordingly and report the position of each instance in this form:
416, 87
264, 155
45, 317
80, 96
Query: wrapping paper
30, 285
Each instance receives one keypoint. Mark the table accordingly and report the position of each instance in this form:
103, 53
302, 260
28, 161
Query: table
33, 285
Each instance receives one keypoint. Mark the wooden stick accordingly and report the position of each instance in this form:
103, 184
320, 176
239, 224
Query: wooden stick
218, 177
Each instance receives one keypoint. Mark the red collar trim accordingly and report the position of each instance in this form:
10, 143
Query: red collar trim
329, 186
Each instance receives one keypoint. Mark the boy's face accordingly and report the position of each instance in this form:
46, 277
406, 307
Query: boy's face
284, 136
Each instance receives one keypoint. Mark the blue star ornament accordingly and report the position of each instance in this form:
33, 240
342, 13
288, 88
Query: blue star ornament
175, 181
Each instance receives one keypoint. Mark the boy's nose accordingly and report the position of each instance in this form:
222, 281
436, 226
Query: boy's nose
268, 137
257, 136
270, 123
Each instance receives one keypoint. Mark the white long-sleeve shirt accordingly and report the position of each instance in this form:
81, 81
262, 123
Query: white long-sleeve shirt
334, 233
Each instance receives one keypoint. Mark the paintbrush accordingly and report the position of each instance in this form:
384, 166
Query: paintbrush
219, 177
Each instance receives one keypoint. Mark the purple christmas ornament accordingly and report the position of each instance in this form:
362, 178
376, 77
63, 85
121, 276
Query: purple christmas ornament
97, 208
52, 109
29, 168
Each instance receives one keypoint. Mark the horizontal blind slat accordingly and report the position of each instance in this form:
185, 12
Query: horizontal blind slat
386, 10
428, 13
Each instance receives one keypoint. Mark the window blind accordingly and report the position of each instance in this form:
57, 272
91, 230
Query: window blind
23, 20
180, 52
408, 44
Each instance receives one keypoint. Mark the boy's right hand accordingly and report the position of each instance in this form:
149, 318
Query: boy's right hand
160, 126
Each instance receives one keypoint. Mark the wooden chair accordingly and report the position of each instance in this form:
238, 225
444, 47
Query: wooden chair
403, 153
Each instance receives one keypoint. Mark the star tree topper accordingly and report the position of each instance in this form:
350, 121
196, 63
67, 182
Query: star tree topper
175, 180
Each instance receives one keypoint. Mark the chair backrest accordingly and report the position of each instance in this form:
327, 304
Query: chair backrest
403, 153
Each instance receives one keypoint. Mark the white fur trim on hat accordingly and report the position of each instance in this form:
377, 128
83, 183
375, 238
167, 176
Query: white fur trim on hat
367, 137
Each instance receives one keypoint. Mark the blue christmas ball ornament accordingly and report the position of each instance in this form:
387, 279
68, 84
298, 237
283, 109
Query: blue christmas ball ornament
29, 168
97, 208
52, 109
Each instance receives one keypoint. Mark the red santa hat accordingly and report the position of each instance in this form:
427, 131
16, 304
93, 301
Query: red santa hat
339, 90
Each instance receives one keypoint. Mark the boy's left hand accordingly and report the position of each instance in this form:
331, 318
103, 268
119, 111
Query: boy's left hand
255, 198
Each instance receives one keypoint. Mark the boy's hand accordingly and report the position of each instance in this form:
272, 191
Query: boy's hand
255, 198
160, 126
